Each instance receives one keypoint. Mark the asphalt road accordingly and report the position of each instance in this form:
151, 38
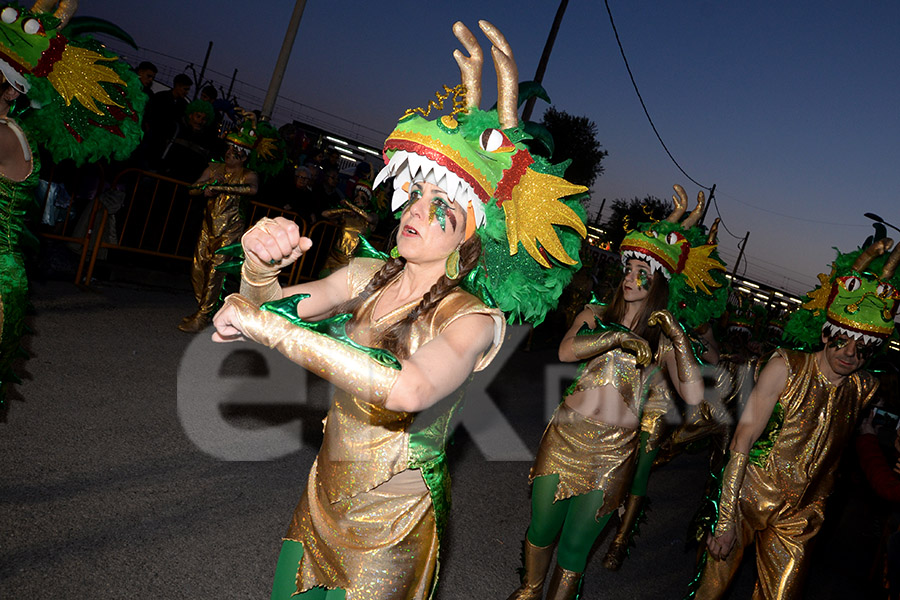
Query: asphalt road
124, 471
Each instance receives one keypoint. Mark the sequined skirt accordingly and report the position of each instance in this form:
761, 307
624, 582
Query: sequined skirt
377, 545
587, 455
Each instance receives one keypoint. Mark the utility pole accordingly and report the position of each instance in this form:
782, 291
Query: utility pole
712, 195
283, 56
199, 83
743, 245
545, 57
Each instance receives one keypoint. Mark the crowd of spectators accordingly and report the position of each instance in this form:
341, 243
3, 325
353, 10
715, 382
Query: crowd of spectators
183, 131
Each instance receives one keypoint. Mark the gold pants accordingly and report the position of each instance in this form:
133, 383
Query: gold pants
222, 226
782, 537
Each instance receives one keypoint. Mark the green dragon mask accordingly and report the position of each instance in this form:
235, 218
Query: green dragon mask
89, 101
511, 197
686, 257
859, 299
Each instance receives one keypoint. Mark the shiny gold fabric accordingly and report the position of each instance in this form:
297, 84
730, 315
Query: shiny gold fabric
331, 359
781, 503
222, 226
354, 223
619, 369
587, 455
732, 478
366, 519
656, 407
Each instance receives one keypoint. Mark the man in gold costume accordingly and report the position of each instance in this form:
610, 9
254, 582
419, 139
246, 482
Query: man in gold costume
800, 415
224, 185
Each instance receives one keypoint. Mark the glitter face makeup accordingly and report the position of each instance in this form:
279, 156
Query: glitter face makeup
642, 277
863, 351
440, 208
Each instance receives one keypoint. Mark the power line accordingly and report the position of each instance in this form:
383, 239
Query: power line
722, 221
792, 217
644, 106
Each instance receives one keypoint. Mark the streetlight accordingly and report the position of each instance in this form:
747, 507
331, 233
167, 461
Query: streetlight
878, 219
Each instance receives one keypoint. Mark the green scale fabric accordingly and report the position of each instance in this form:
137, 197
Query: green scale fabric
16, 200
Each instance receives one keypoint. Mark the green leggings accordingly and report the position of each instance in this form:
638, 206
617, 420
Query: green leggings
642, 469
285, 582
575, 517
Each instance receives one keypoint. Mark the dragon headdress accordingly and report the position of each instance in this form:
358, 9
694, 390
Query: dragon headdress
859, 299
742, 316
86, 103
687, 257
514, 200
261, 142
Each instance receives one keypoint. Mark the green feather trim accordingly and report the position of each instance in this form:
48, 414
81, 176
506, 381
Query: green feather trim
521, 287
73, 131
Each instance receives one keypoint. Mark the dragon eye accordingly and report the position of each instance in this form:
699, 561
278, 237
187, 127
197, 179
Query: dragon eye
671, 238
851, 284
9, 15
652, 233
494, 140
32, 26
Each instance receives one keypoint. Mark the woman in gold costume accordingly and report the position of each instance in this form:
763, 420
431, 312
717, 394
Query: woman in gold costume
588, 454
400, 335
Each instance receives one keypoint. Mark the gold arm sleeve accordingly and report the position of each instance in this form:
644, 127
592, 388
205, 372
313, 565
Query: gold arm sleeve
258, 283
688, 367
347, 368
586, 346
685, 362
732, 478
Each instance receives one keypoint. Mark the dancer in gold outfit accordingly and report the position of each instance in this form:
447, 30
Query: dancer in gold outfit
225, 185
399, 336
798, 419
355, 219
632, 351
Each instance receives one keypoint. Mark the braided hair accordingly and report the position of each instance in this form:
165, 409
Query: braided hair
395, 338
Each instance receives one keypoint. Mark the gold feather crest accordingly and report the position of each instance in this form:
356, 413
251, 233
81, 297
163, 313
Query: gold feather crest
818, 298
78, 74
699, 267
534, 209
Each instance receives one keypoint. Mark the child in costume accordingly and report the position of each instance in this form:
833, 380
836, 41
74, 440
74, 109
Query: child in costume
588, 454
252, 148
399, 336
798, 419
85, 105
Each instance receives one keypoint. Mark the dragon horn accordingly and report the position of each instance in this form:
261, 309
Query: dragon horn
681, 202
507, 76
696, 213
64, 9
891, 264
713, 231
42, 6
469, 66
876, 249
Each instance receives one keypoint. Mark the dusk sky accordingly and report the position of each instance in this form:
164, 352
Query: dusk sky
791, 109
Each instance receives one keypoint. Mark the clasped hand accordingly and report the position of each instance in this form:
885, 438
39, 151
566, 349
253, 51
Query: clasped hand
274, 243
666, 322
637, 346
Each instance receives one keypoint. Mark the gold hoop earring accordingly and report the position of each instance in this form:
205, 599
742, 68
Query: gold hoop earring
451, 268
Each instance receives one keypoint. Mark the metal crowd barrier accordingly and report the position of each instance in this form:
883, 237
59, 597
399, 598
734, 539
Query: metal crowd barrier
158, 218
